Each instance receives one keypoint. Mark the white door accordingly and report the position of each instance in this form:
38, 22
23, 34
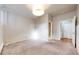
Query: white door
73, 30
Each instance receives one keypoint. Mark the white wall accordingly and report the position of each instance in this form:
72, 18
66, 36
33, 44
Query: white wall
56, 23
41, 26
77, 41
78, 28
1, 30
17, 27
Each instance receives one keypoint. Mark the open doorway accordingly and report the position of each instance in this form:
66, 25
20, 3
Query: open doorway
68, 30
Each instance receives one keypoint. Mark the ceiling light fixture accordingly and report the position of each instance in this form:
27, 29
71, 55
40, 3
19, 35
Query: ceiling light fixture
38, 10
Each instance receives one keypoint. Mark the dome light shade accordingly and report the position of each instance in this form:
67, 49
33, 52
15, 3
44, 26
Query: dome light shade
38, 10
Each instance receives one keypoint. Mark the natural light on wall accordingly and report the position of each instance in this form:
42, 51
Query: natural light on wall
35, 35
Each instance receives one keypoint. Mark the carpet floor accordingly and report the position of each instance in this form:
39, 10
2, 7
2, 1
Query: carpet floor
40, 48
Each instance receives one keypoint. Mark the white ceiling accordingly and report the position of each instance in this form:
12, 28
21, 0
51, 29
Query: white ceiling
54, 9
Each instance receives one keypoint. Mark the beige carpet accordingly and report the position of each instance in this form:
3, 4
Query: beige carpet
40, 48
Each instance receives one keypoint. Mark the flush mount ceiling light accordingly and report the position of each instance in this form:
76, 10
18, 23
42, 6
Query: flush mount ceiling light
38, 10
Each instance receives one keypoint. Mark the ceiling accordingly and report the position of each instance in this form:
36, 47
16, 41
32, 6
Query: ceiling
53, 9
56, 9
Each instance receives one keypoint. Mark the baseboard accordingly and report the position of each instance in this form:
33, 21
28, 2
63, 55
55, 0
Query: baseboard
13, 42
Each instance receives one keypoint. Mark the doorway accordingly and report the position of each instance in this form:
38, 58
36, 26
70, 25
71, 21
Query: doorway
68, 30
